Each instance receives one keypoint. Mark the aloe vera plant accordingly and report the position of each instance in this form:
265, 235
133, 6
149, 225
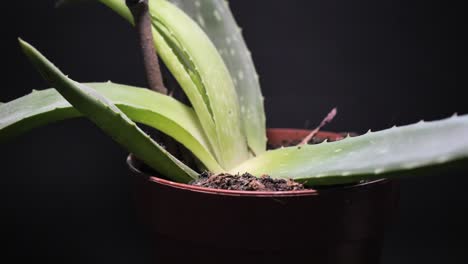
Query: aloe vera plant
201, 44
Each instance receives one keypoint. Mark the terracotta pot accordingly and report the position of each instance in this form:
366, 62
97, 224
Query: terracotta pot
337, 225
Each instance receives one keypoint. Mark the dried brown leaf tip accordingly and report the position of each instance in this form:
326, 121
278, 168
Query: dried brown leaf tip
331, 115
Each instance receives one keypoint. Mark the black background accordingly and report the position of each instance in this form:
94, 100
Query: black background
65, 193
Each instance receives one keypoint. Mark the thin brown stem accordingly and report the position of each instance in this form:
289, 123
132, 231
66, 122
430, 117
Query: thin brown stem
141, 15
325, 121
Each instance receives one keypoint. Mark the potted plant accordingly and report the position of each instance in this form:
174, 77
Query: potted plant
340, 217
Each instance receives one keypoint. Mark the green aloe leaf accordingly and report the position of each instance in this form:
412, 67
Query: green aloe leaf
208, 72
196, 64
388, 153
218, 22
110, 119
141, 105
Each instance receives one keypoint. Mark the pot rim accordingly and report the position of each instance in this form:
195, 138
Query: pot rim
187, 187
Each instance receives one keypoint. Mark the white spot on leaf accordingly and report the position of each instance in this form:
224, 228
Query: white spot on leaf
378, 171
382, 151
217, 15
201, 21
241, 75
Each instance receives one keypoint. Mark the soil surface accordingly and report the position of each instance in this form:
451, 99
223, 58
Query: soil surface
246, 182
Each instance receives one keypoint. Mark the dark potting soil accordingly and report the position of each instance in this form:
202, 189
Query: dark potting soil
246, 182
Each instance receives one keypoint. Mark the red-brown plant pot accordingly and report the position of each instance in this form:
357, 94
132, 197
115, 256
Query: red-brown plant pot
336, 225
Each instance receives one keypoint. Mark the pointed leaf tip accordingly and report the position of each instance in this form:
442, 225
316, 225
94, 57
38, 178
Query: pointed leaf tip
25, 46
110, 119
41, 63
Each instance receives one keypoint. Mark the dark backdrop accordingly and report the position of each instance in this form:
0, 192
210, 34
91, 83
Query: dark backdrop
65, 190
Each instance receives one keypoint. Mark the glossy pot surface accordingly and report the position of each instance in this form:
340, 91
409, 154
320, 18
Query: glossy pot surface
337, 225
